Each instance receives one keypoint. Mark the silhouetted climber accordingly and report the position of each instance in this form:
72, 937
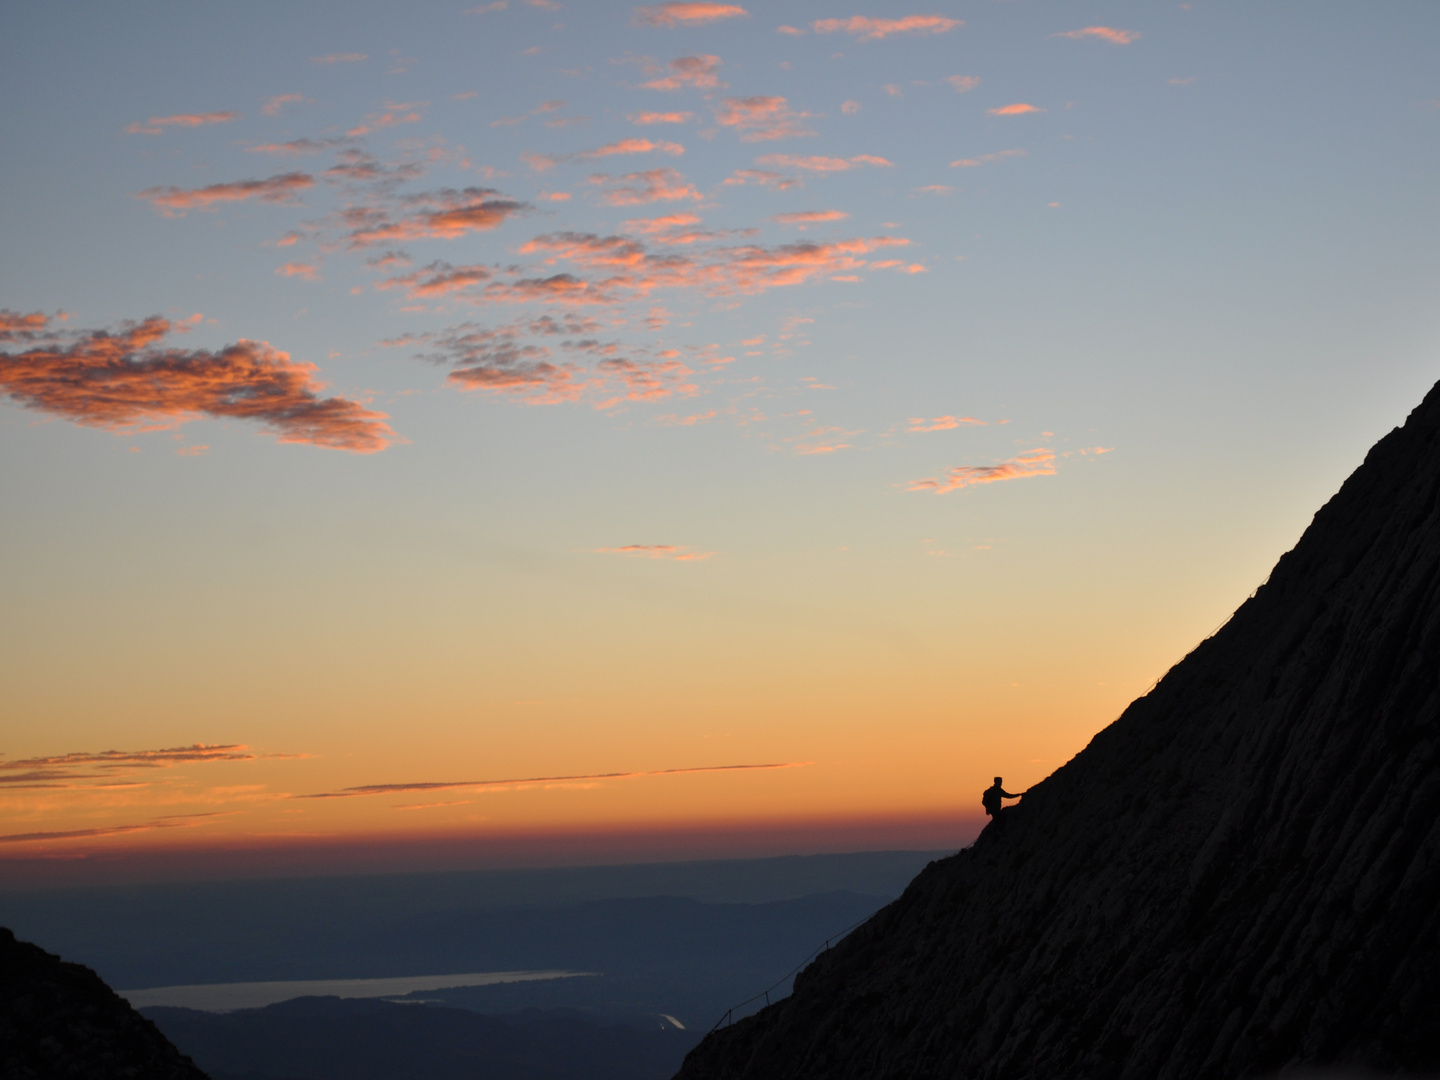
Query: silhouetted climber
992, 797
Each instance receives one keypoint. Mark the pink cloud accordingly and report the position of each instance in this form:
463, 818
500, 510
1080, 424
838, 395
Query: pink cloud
157, 124
793, 31
1105, 33
657, 551
760, 177
963, 83
868, 29
543, 163
919, 424
437, 215
125, 381
276, 104
761, 118
653, 185
986, 159
700, 72
485, 9
687, 13
822, 164
173, 201
660, 117
1018, 109
293, 148
810, 217
392, 115
1038, 462
304, 271
340, 58
850, 108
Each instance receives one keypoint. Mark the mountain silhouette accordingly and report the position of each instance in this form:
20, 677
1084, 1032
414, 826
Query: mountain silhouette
1238, 877
61, 1020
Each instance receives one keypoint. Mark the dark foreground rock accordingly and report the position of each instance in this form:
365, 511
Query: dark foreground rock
60, 1020
1239, 876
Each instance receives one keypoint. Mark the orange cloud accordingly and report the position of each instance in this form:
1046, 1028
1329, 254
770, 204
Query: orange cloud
1018, 109
761, 118
809, 217
697, 71
653, 185
173, 201
340, 58
17, 327
919, 424
1105, 33
436, 215
986, 159
437, 279
867, 29
157, 124
658, 551
1038, 462
124, 381
304, 271
793, 31
650, 226
687, 13
823, 164
276, 104
963, 83
660, 117
485, 9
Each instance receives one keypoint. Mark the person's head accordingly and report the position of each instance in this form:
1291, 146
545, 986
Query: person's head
999, 780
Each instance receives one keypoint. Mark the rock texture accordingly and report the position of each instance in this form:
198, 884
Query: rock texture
60, 1020
1239, 876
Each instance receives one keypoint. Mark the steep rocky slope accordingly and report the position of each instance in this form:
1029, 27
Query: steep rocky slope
1240, 875
59, 1020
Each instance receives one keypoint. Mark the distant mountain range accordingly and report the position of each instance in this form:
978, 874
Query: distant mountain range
1239, 876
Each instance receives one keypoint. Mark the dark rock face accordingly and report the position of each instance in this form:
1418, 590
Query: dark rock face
1240, 875
59, 1020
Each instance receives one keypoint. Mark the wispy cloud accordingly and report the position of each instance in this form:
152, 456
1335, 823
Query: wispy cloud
277, 104
700, 72
304, 271
963, 84
486, 9
809, 217
868, 29
638, 188
660, 117
761, 118
340, 58
1020, 108
986, 159
1104, 33
657, 551
15, 326
437, 279
687, 13
761, 178
543, 163
173, 201
157, 124
392, 115
436, 215
823, 164
124, 381
918, 424
1038, 462
293, 148
528, 781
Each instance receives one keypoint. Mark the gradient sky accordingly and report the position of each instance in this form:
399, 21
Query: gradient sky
596, 398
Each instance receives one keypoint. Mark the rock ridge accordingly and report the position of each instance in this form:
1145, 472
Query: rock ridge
1239, 876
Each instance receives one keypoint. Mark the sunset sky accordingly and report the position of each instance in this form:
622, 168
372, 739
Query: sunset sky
566, 431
